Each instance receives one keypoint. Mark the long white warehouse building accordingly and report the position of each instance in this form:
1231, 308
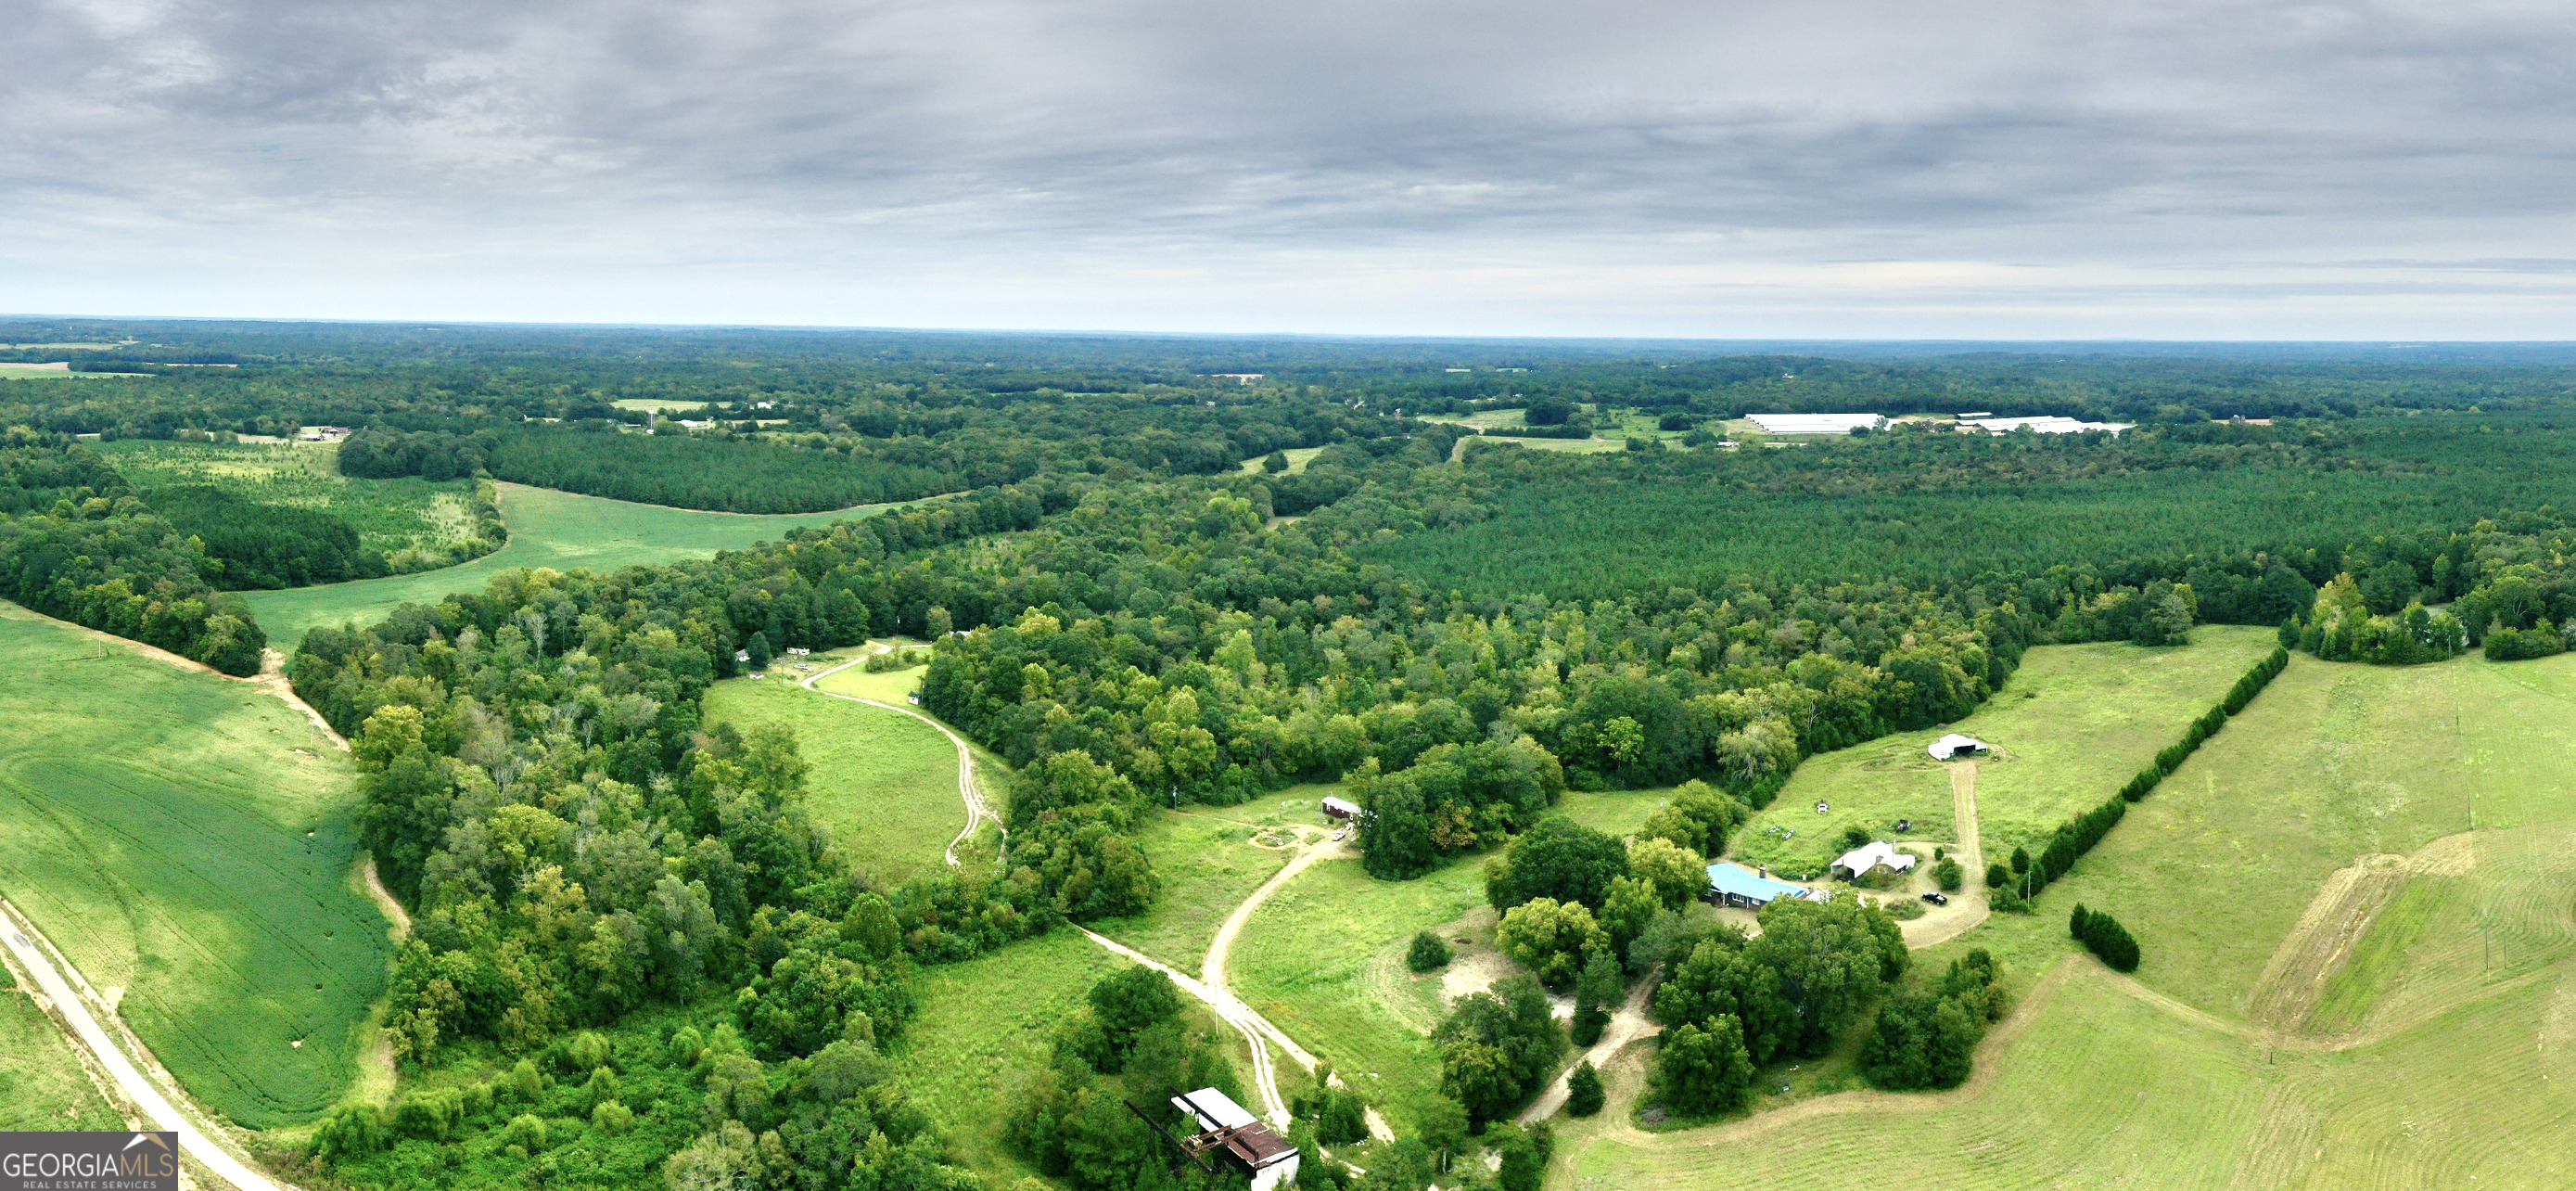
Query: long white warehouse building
1817, 423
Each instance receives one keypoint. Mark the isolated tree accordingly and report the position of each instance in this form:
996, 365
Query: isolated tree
1426, 953
1583, 1093
1596, 991
1948, 875
758, 648
1277, 462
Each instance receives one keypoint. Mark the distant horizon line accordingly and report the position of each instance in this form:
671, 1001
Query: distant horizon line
434, 324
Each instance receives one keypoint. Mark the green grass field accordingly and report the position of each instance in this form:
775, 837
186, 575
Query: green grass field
884, 686
650, 404
1209, 863
42, 1087
2433, 1046
547, 529
1323, 959
884, 784
187, 840
1298, 458
984, 1025
417, 524
2071, 725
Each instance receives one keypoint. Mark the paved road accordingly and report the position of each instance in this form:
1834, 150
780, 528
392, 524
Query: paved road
141, 1089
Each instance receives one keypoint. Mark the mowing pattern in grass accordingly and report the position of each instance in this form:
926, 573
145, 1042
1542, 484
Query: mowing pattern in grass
1323, 959
2074, 723
883, 783
42, 1087
2441, 1046
418, 525
547, 529
163, 829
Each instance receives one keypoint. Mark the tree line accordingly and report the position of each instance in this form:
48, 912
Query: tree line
76, 543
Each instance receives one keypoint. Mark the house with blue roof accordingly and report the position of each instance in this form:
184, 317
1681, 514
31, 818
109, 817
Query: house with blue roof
1736, 885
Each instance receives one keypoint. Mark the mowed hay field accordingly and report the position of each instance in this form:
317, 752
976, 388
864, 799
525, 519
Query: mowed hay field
186, 840
2070, 726
42, 1087
1323, 959
2358, 910
547, 529
883, 783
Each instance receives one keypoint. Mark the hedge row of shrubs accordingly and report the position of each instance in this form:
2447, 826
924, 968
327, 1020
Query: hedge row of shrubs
2078, 836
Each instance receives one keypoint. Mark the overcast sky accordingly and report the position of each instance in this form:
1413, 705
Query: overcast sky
1834, 168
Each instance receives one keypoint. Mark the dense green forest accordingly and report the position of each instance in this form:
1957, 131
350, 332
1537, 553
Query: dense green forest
1927, 506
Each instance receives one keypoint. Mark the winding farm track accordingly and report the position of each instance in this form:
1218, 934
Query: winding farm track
36, 956
1627, 1025
967, 788
1209, 988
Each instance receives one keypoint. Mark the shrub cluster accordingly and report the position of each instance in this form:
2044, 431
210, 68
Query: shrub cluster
1927, 1039
2105, 937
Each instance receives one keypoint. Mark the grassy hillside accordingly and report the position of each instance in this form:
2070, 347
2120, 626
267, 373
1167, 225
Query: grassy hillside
547, 529
187, 841
42, 1087
2074, 723
2359, 962
883, 783
1323, 959
1210, 859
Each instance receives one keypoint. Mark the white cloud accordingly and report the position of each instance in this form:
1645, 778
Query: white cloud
1838, 168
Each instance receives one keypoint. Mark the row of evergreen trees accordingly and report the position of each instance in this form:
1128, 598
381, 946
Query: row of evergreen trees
2029, 875
2104, 936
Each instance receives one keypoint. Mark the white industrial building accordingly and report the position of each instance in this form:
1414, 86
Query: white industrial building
1817, 423
2047, 425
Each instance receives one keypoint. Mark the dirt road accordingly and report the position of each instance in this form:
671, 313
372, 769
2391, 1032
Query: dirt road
1627, 1025
1967, 907
36, 959
976, 811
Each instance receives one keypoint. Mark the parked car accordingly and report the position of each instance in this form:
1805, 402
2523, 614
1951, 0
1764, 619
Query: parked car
1938, 899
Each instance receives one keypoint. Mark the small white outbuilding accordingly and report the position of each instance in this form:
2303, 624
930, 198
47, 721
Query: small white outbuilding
1859, 861
1954, 746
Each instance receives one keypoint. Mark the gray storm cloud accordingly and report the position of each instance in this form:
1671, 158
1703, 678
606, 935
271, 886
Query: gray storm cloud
1713, 168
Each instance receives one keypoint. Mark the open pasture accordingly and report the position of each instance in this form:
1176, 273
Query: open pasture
1298, 458
1323, 959
2360, 957
2070, 726
547, 529
42, 1086
1210, 859
883, 783
187, 841
884, 686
